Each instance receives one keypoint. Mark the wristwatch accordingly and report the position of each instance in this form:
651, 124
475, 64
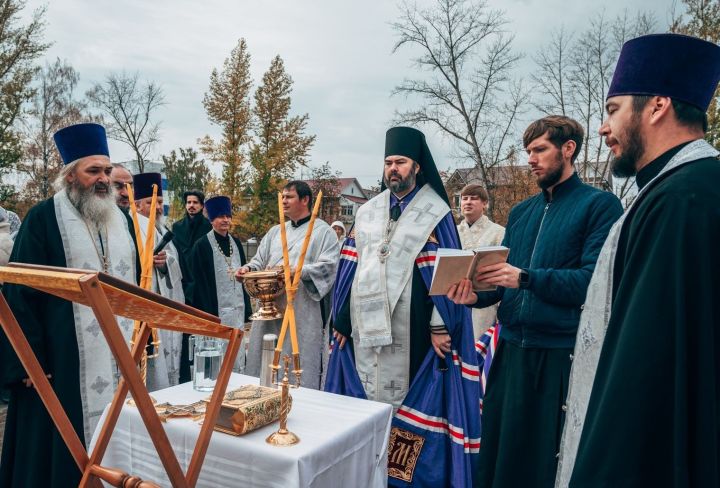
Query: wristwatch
524, 279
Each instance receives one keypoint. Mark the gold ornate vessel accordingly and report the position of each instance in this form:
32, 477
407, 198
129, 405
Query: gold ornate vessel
265, 286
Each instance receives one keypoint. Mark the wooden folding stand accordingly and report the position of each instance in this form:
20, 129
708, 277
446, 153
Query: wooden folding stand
109, 296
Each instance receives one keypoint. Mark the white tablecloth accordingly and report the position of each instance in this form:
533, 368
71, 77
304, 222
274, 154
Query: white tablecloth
343, 442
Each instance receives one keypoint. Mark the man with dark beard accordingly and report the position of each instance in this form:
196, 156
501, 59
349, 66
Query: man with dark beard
554, 240
186, 233
188, 230
411, 350
80, 227
645, 386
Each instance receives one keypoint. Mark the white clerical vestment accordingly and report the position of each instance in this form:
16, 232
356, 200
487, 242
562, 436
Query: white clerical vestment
483, 232
318, 276
84, 247
381, 290
164, 370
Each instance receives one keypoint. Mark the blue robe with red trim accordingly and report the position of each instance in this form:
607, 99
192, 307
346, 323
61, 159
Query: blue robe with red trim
442, 403
485, 348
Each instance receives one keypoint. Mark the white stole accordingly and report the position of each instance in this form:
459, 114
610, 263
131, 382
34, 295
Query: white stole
378, 283
594, 321
231, 301
98, 372
164, 371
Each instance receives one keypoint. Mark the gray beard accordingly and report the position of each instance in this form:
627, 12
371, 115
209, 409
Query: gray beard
160, 224
91, 206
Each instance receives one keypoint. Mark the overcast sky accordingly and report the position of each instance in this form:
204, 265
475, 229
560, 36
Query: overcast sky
338, 53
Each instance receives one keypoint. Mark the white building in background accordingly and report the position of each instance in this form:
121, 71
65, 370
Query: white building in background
350, 196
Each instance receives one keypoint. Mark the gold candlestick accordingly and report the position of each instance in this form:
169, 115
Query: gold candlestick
283, 437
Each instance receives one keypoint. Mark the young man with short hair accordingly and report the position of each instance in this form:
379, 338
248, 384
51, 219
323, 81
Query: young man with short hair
554, 239
188, 230
318, 276
477, 230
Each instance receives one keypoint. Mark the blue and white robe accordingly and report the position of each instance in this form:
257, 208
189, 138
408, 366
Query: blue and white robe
441, 407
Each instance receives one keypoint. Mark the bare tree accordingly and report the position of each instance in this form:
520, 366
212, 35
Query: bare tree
468, 93
21, 43
701, 18
53, 107
573, 78
553, 61
130, 106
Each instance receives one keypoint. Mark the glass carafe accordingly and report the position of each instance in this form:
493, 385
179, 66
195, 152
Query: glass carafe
208, 353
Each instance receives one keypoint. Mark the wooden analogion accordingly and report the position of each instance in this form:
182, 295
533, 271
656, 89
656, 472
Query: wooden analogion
109, 296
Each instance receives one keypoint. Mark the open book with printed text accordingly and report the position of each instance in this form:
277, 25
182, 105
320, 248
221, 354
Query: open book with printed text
452, 265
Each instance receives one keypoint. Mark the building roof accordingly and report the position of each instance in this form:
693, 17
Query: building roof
500, 175
370, 193
342, 183
353, 198
593, 173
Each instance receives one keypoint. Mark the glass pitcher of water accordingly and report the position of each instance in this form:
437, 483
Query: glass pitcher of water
208, 353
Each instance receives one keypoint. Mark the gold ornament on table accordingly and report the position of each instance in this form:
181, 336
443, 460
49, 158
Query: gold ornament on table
265, 286
169, 411
250, 407
283, 437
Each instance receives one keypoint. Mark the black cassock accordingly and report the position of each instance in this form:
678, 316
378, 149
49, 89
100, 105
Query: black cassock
654, 413
203, 288
33, 453
185, 233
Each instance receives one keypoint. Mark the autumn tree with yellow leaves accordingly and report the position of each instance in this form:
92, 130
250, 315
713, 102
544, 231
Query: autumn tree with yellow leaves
227, 104
262, 144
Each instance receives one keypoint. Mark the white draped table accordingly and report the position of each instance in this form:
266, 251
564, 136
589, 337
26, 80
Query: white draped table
343, 442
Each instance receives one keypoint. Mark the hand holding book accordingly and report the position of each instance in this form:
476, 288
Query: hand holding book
452, 265
498, 274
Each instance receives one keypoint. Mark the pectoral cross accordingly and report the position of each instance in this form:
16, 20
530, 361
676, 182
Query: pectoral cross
231, 277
